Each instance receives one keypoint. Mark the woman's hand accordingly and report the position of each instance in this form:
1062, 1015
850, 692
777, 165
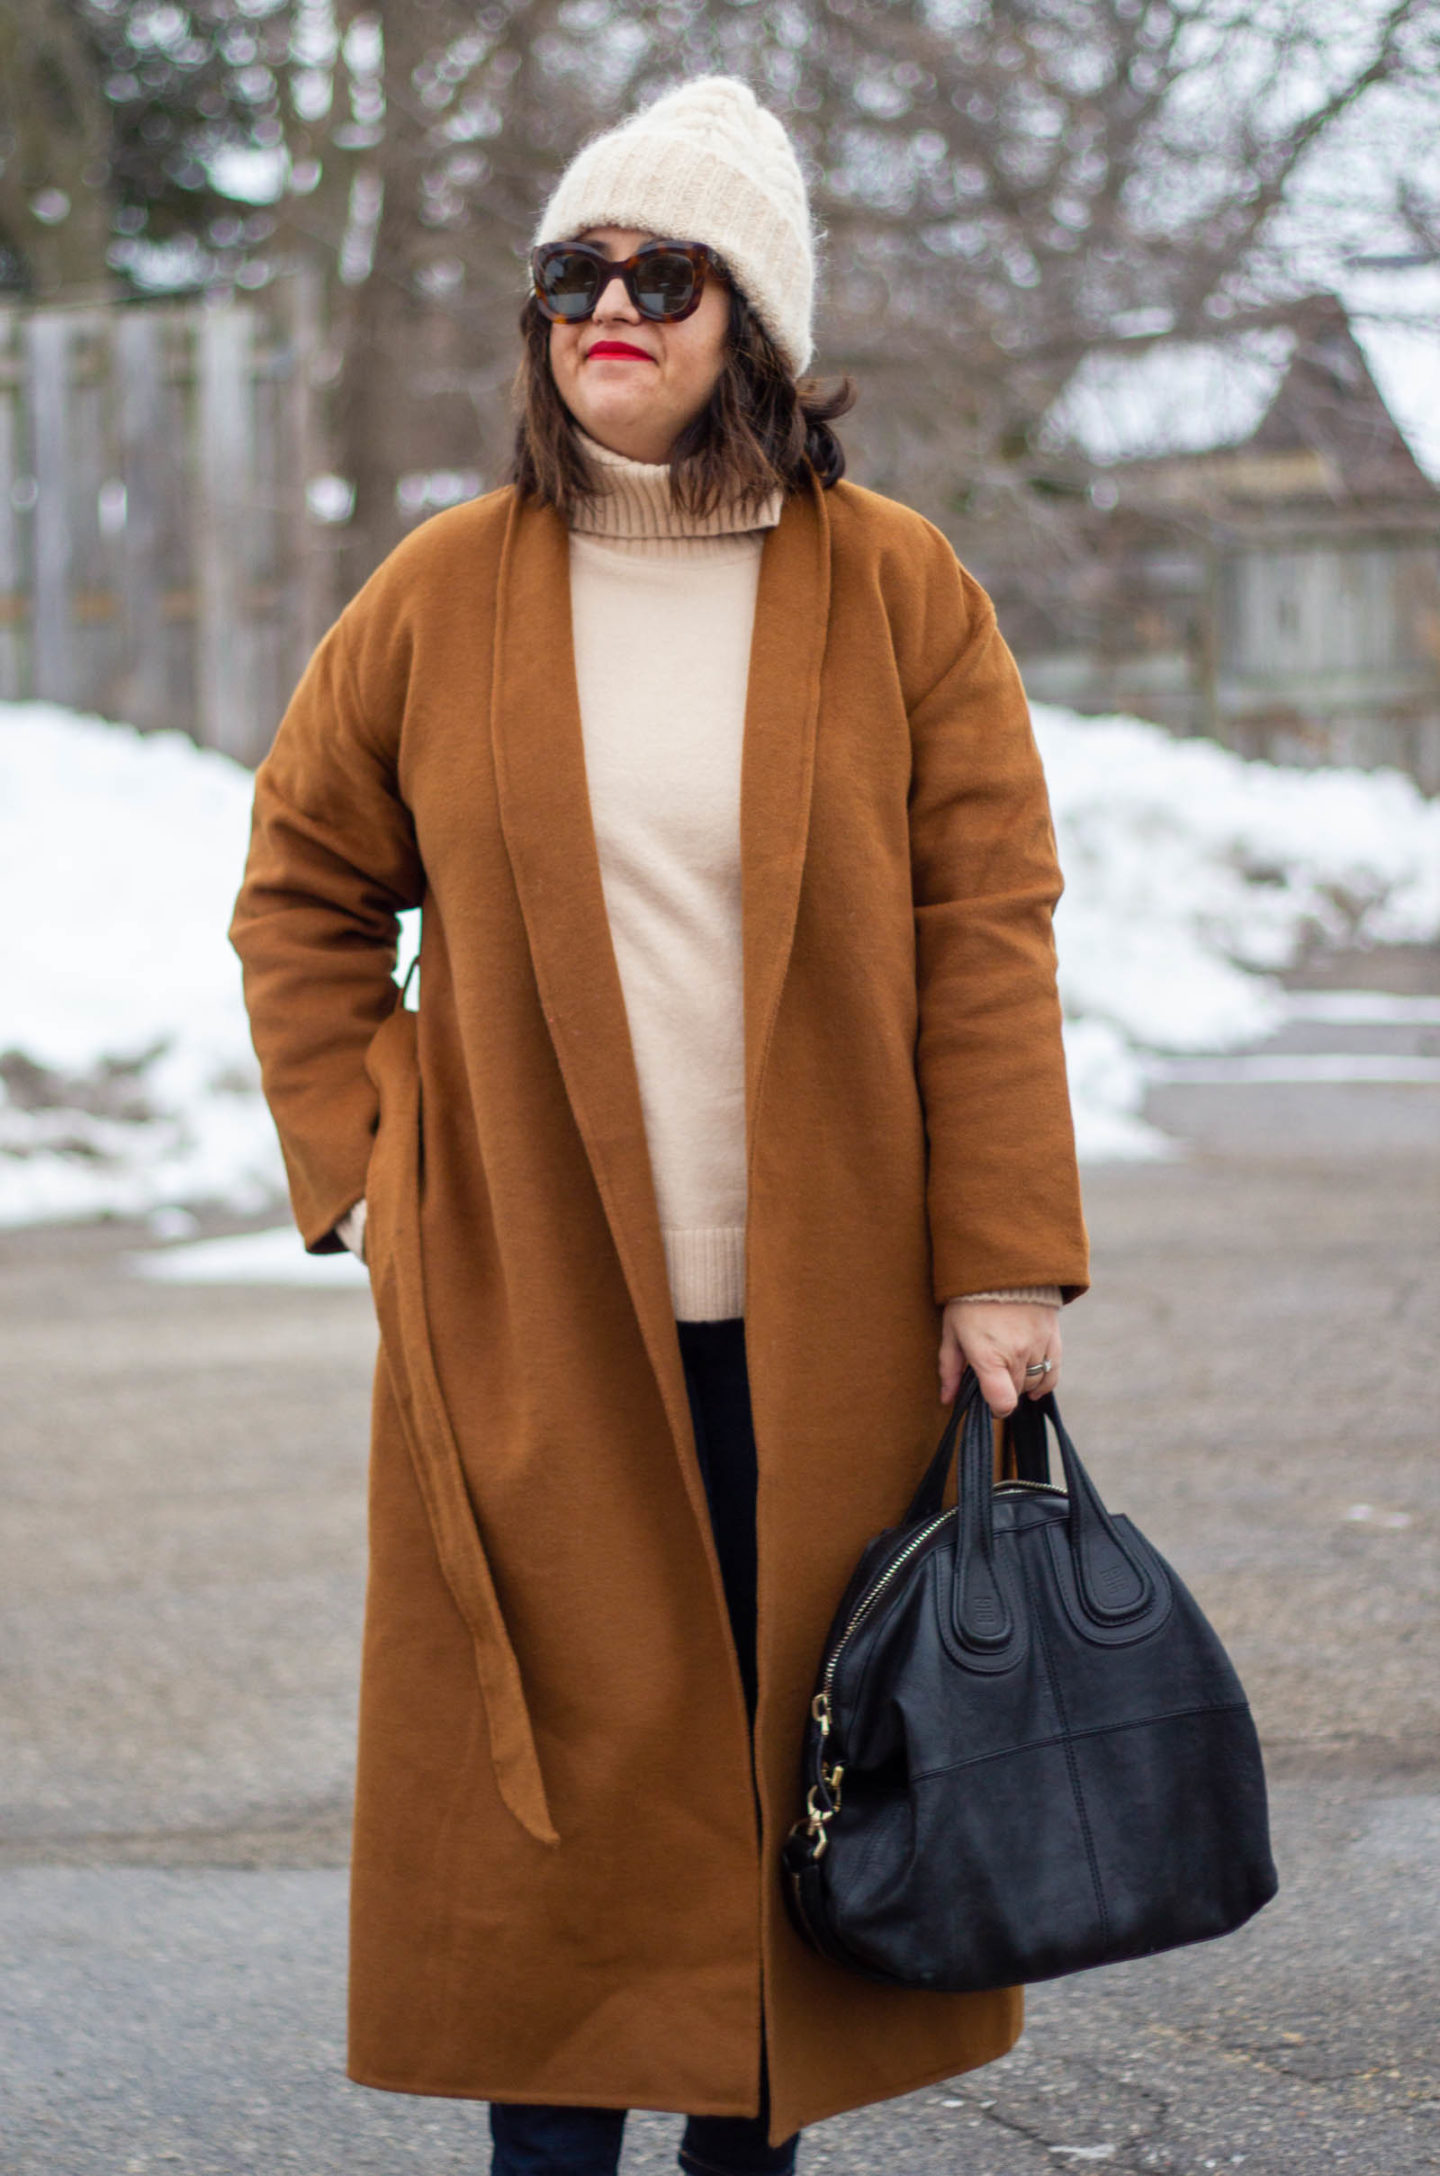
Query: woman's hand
1000, 1339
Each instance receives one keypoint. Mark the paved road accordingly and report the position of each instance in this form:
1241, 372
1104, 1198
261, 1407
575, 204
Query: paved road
181, 1530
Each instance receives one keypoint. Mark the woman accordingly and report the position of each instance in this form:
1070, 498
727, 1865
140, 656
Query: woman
732, 1114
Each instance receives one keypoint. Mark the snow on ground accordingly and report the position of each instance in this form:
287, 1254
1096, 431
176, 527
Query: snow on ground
127, 1081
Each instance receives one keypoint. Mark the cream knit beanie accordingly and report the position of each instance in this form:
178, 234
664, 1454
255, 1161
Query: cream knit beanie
705, 163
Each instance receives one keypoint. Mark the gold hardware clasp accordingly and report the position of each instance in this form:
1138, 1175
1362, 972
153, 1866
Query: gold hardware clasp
818, 1816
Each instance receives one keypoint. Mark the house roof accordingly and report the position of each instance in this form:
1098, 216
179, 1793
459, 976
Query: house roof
1169, 397
1288, 411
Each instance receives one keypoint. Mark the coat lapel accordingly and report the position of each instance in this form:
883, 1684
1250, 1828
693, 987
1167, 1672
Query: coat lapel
550, 837
787, 650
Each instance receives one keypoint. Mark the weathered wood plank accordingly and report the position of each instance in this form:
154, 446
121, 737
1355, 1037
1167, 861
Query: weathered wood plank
48, 336
141, 680
14, 620
225, 707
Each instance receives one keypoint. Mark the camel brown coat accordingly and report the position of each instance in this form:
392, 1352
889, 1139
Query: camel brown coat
560, 1889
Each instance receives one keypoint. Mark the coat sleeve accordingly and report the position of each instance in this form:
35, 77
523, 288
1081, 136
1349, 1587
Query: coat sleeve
1002, 1185
332, 862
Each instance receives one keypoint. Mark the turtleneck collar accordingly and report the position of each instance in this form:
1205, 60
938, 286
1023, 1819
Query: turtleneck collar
634, 504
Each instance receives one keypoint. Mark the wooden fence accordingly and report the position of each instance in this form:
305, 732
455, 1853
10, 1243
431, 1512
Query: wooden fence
157, 560
1331, 652
1306, 644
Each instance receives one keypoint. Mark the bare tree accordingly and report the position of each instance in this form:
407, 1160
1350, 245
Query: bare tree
54, 151
1003, 185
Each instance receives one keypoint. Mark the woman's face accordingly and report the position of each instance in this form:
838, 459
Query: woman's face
638, 403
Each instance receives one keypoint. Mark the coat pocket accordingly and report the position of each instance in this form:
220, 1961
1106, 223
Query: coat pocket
397, 1279
392, 1061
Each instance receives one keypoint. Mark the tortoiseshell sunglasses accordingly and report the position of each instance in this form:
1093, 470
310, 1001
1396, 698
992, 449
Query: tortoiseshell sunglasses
664, 280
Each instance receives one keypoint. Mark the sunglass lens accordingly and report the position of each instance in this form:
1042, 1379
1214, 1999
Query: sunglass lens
568, 282
664, 283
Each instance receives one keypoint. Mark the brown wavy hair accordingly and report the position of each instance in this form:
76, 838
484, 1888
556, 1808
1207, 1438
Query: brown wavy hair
761, 427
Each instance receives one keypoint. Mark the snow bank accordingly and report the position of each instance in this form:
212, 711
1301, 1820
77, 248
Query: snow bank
1191, 877
127, 1081
127, 1074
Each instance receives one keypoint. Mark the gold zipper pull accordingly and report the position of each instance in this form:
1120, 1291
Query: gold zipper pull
815, 1824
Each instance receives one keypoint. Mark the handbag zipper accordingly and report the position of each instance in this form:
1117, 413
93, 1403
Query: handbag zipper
867, 1602
873, 1592
830, 1775
815, 1817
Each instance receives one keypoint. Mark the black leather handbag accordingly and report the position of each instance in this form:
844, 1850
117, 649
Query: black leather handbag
1027, 1752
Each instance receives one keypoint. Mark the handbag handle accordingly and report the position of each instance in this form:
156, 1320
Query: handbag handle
926, 1500
1113, 1582
1027, 1445
1027, 1448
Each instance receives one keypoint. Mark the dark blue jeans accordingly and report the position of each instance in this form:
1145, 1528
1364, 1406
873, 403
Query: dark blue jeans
537, 2140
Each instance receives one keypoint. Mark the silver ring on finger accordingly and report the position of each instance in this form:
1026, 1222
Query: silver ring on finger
1039, 1367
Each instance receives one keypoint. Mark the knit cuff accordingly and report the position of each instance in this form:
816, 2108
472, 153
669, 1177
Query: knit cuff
1037, 1295
707, 1270
351, 1229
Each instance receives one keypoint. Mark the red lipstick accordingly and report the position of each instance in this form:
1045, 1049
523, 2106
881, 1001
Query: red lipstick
617, 347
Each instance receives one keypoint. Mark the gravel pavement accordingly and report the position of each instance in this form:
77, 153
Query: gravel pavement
181, 1567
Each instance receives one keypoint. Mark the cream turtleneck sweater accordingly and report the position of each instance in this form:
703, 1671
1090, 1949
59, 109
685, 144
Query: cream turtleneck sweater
662, 608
